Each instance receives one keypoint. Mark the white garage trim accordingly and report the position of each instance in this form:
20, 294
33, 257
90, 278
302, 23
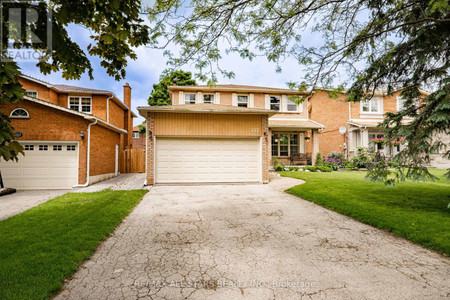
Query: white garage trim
216, 160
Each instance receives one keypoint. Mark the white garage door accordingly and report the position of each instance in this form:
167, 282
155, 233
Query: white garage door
196, 160
44, 166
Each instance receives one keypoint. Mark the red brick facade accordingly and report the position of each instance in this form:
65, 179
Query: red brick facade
46, 123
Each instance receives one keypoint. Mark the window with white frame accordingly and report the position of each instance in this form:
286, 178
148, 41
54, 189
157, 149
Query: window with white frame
70, 147
57, 147
401, 103
291, 105
19, 113
189, 98
135, 134
43, 147
32, 93
285, 144
81, 104
275, 103
29, 147
208, 98
371, 106
242, 100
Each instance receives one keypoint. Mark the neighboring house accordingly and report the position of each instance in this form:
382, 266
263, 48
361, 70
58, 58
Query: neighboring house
138, 139
360, 120
71, 135
226, 133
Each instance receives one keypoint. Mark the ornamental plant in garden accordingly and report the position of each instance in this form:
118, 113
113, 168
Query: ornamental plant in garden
333, 163
379, 140
398, 142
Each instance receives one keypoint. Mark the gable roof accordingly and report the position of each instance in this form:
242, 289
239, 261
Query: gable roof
236, 88
80, 114
65, 88
206, 108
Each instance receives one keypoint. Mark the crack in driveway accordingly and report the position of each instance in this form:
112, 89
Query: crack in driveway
252, 242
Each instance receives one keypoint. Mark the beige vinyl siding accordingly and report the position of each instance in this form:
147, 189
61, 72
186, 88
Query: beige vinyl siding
193, 124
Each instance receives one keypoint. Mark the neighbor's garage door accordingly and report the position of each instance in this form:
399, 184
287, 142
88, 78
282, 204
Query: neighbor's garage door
44, 166
196, 160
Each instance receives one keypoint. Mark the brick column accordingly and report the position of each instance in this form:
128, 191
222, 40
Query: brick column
150, 151
315, 145
266, 140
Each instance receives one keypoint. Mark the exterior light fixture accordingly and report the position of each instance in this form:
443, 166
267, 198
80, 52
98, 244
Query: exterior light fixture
150, 134
265, 135
307, 137
82, 135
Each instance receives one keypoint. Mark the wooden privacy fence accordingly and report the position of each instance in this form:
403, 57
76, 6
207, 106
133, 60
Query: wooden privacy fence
132, 161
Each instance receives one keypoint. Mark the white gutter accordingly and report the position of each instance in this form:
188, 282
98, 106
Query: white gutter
88, 155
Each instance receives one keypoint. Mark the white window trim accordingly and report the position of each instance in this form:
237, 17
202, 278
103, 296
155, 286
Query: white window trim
399, 98
243, 95
19, 117
79, 103
380, 106
209, 94
289, 144
32, 91
281, 103
134, 133
195, 99
297, 106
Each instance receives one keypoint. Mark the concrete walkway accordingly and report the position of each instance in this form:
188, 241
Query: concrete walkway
253, 242
23, 200
20, 201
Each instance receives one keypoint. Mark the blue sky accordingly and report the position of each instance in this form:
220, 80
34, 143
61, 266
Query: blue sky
143, 72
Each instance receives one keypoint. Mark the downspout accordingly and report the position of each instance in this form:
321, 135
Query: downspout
107, 108
88, 155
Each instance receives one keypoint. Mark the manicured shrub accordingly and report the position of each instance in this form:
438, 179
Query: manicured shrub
324, 169
279, 167
274, 162
293, 168
319, 161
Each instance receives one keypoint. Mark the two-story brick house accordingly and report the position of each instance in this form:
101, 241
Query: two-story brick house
71, 135
225, 133
360, 120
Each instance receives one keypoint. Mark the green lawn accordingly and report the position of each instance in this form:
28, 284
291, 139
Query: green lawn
414, 210
45, 245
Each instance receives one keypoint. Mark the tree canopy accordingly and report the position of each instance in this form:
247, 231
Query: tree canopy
160, 93
115, 27
359, 44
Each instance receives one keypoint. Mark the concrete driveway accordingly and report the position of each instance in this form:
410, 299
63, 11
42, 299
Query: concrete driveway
23, 200
253, 242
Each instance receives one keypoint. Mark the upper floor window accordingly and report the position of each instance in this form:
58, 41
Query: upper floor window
401, 103
189, 98
19, 113
275, 103
291, 105
79, 103
135, 134
208, 98
242, 101
371, 106
32, 93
